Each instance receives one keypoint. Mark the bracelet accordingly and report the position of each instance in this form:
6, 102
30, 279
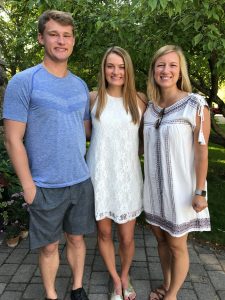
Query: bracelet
200, 192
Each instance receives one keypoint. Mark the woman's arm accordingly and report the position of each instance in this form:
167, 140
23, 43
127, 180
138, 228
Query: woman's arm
142, 104
201, 159
87, 123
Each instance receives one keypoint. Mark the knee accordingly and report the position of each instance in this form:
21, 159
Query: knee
178, 250
76, 241
104, 235
50, 249
126, 241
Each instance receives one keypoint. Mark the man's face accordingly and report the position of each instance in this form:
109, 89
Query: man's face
58, 41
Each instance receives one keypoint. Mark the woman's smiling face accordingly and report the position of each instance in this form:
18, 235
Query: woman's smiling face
167, 70
115, 70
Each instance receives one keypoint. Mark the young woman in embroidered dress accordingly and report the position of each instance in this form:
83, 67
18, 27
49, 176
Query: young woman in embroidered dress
116, 111
176, 132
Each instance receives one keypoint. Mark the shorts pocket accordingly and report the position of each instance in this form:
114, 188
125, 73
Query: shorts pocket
35, 197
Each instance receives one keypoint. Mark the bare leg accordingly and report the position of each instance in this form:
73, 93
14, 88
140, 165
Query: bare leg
126, 249
164, 254
49, 264
179, 264
76, 251
106, 248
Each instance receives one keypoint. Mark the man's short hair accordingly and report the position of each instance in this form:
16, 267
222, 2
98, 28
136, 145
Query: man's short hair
61, 17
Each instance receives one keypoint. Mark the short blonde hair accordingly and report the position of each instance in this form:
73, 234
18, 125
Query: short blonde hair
61, 17
129, 90
183, 82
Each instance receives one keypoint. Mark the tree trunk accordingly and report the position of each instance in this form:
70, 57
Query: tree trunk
220, 134
214, 77
213, 97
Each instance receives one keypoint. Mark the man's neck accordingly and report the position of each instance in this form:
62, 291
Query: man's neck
59, 69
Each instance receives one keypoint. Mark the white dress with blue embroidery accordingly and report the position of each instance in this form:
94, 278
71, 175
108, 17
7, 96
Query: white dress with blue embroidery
170, 179
114, 164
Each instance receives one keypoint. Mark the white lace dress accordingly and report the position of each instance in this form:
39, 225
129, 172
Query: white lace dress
170, 179
114, 163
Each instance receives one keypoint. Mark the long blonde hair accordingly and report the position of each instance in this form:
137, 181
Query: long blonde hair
129, 90
183, 82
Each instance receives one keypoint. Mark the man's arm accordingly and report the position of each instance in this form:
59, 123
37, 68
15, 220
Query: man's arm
87, 126
14, 133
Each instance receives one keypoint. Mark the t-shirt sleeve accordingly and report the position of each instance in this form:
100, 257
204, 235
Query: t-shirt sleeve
16, 99
87, 107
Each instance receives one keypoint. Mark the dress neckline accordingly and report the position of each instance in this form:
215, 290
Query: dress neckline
113, 97
168, 108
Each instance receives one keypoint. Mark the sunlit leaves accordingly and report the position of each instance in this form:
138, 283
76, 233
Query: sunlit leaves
140, 26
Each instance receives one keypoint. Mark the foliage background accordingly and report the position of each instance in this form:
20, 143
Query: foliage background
141, 27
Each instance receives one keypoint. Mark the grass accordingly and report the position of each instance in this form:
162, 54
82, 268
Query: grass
216, 196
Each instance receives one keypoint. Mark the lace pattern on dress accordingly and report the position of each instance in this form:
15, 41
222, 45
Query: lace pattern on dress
114, 164
118, 219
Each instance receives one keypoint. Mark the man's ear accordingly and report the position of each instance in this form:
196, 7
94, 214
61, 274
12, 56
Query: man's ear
40, 39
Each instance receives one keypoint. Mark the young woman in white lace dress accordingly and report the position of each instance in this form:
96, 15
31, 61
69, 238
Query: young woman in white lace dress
116, 111
176, 132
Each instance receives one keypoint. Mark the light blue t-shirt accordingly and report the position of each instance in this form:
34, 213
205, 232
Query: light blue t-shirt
54, 110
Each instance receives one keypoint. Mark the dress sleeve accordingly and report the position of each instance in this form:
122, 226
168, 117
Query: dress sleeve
200, 110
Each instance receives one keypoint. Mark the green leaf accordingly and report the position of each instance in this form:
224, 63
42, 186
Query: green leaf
153, 4
170, 11
197, 25
187, 19
98, 24
215, 16
213, 28
198, 38
223, 42
178, 6
206, 5
163, 3
210, 45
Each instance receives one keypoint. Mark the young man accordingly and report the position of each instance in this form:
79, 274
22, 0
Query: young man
46, 112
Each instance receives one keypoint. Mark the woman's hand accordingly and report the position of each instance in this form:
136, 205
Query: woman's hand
199, 203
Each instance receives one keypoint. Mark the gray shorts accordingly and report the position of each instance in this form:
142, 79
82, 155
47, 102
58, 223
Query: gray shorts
54, 210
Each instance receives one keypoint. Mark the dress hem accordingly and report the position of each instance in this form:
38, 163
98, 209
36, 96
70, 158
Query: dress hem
119, 219
197, 225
